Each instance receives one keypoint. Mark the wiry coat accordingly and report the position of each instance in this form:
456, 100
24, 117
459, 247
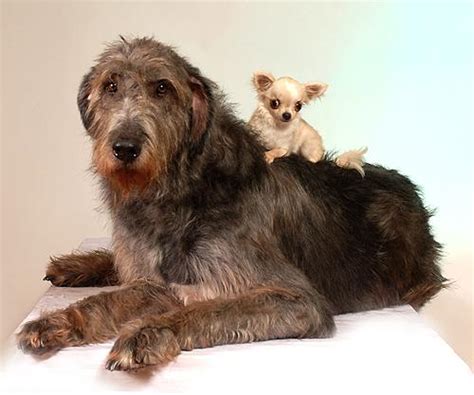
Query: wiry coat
213, 244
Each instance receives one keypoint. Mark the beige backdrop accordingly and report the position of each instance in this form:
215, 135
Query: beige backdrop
400, 81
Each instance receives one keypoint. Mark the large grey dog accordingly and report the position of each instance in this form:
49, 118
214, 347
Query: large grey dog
211, 244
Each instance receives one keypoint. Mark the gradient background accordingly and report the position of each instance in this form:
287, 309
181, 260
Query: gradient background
400, 81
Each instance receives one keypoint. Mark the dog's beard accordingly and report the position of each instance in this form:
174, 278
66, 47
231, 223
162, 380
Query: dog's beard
126, 179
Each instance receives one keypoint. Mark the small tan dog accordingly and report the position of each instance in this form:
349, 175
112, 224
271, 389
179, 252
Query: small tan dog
282, 129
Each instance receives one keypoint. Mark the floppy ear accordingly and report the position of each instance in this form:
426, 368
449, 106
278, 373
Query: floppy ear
262, 80
200, 107
314, 90
83, 98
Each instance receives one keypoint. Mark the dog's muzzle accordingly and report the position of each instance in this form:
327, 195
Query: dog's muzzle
126, 151
127, 140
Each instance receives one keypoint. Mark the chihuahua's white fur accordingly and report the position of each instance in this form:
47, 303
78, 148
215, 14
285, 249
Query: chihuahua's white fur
294, 136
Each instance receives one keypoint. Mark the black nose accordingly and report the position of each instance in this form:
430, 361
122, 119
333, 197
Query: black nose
286, 116
126, 150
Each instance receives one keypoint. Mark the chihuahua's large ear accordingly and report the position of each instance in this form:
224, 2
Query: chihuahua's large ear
262, 80
314, 90
83, 98
201, 105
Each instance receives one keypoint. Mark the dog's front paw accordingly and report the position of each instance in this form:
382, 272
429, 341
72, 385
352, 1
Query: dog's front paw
144, 347
88, 269
40, 337
275, 153
61, 278
65, 271
268, 157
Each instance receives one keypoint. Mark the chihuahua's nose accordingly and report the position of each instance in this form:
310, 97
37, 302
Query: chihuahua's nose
286, 116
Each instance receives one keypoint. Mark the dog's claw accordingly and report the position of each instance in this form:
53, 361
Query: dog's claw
111, 365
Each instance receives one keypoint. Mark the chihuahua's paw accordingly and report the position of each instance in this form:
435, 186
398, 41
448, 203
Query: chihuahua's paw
316, 157
269, 158
275, 153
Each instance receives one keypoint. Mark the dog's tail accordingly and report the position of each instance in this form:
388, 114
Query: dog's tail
353, 159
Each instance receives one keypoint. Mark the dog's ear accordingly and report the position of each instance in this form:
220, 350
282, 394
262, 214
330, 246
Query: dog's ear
83, 99
262, 80
314, 90
200, 106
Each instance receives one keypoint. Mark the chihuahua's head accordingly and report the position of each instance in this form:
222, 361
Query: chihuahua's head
284, 97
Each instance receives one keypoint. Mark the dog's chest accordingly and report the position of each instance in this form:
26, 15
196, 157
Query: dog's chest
273, 135
134, 260
157, 244
181, 248
135, 257
137, 243
279, 138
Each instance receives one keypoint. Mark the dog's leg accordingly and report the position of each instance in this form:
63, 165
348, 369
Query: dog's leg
311, 144
82, 269
94, 319
262, 314
275, 153
315, 156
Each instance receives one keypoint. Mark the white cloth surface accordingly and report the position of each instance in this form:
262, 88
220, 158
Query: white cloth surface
389, 351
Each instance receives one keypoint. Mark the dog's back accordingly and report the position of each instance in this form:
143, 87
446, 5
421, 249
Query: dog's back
363, 242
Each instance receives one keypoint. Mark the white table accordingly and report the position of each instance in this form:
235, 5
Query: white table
389, 351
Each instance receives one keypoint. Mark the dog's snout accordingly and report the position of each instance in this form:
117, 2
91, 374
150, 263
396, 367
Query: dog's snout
286, 116
126, 150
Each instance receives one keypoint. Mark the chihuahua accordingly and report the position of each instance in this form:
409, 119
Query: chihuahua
282, 130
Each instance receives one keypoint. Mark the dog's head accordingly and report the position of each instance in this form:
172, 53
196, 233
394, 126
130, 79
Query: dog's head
140, 103
284, 97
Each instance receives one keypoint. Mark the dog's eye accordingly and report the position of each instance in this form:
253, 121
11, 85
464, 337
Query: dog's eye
110, 87
274, 103
162, 87
298, 106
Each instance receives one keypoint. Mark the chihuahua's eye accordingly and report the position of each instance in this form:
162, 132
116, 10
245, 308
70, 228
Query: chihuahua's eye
298, 106
110, 87
162, 86
274, 103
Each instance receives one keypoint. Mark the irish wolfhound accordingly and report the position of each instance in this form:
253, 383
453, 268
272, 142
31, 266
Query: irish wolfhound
211, 244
